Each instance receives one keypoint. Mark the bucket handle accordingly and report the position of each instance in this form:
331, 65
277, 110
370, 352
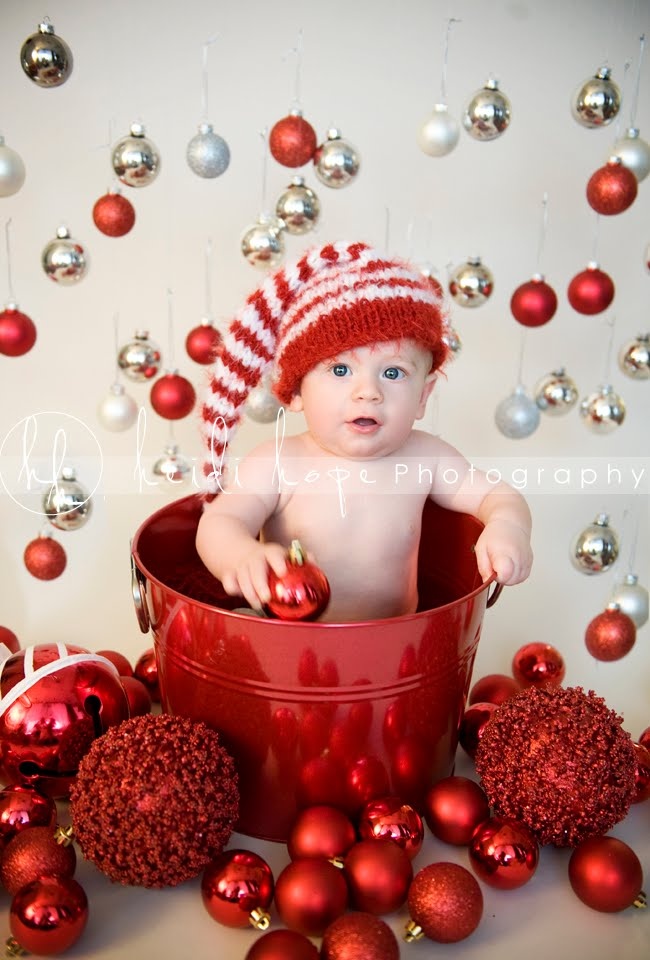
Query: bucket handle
494, 596
138, 585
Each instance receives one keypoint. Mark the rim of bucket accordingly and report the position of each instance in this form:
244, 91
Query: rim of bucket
284, 624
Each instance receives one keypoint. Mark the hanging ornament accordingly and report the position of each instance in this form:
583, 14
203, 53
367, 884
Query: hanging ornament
48, 915
261, 405
503, 853
610, 635
493, 688
17, 332
302, 593
12, 170
203, 342
378, 873
208, 154
356, 935
114, 215
66, 504
336, 162
642, 774
63, 259
388, 817
517, 416
596, 547
603, 410
320, 831
597, 101
634, 153
292, 141
309, 895
634, 357
439, 133
173, 466
146, 671
472, 726
263, 243
471, 284
612, 188
445, 903
135, 159
606, 874
172, 396
298, 207
632, 598
453, 809
139, 359
453, 341
533, 303
487, 115
23, 807
556, 393
282, 945
237, 889
45, 58
45, 558
117, 411
538, 665
34, 853
591, 291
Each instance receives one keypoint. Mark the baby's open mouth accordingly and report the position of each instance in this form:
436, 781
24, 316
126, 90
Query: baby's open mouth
365, 421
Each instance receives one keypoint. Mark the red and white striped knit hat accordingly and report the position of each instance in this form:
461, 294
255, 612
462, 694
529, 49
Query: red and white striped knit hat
335, 298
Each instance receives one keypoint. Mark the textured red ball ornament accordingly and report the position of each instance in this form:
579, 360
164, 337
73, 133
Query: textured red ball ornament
309, 895
292, 141
203, 343
379, 874
114, 215
445, 903
493, 688
642, 774
472, 726
49, 915
138, 696
45, 558
537, 665
302, 593
146, 671
591, 291
503, 853
533, 303
612, 188
21, 807
172, 396
282, 945
454, 807
610, 635
237, 889
606, 874
320, 831
9, 639
17, 333
388, 818
359, 935
37, 852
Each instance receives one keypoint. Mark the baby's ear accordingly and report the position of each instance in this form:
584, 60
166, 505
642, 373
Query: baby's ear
427, 389
295, 404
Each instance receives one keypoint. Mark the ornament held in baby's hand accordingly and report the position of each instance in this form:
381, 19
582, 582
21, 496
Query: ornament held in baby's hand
302, 593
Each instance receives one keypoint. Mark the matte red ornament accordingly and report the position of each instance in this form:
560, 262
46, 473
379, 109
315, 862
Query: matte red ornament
610, 635
282, 945
138, 696
121, 663
309, 895
493, 688
379, 874
612, 188
237, 889
533, 303
321, 831
36, 853
17, 333
9, 639
642, 774
454, 807
203, 343
445, 903
538, 665
472, 726
114, 215
146, 671
302, 593
591, 291
359, 935
49, 915
606, 874
366, 779
292, 141
388, 818
21, 807
45, 558
172, 396
503, 853
321, 780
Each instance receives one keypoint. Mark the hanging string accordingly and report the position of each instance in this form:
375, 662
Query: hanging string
635, 94
204, 77
265, 152
618, 122
10, 286
445, 60
542, 234
297, 53
596, 244
522, 347
635, 539
208, 285
608, 356
170, 328
116, 342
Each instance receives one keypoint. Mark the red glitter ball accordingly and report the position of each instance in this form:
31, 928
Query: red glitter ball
292, 141
114, 215
612, 188
35, 853
45, 558
155, 800
445, 902
610, 635
356, 935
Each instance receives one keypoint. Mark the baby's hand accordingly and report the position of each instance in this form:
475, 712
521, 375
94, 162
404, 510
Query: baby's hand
504, 548
248, 571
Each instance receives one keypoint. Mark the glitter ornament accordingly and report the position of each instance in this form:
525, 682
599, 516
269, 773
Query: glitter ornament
298, 207
17, 332
357, 935
173, 466
263, 243
641, 774
309, 895
558, 760
378, 874
262, 405
48, 915
45, 58
207, 154
595, 548
67, 505
634, 357
439, 133
603, 410
453, 809
634, 153
336, 162
556, 393
139, 359
237, 889
517, 416
292, 141
472, 725
493, 688
302, 593
146, 671
632, 598
12, 170
45, 558
533, 303
114, 215
34, 853
320, 831
172, 396
591, 291
135, 159
488, 113
203, 343
597, 101
445, 903
63, 259
117, 411
389, 818
610, 635
606, 874
282, 945
471, 284
503, 853
155, 800
538, 665
23, 807
612, 188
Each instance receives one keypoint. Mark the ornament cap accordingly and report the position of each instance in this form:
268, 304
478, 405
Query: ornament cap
295, 112
296, 553
334, 133
641, 900
64, 835
413, 932
137, 129
259, 919
207, 322
440, 108
558, 372
297, 182
537, 278
68, 473
593, 265
14, 949
602, 520
631, 579
632, 133
12, 305
46, 27
474, 261
492, 83
205, 128
603, 73
141, 335
63, 233
614, 161
117, 389
613, 606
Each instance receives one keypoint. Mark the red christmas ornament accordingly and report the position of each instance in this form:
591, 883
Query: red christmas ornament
203, 343
114, 215
454, 807
503, 853
612, 188
644, 739
591, 291
642, 774
472, 726
146, 671
388, 818
379, 874
237, 889
302, 593
493, 688
282, 945
23, 807
359, 935
37, 852
533, 303
309, 895
292, 141
445, 903
119, 661
9, 639
320, 831
321, 780
367, 778
49, 915
172, 396
45, 558
606, 874
610, 635
138, 696
538, 665
17, 332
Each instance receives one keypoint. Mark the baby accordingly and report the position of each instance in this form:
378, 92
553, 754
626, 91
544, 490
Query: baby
354, 341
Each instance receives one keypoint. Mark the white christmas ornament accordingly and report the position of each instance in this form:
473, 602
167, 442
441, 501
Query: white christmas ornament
517, 416
439, 133
12, 170
634, 153
632, 598
262, 406
117, 411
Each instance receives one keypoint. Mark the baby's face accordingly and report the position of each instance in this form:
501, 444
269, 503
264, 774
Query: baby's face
361, 404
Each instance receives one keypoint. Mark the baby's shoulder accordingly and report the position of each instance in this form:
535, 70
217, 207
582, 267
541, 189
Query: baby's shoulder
423, 444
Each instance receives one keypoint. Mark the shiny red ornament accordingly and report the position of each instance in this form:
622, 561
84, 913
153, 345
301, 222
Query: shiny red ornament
45, 558
538, 665
503, 853
445, 903
292, 141
454, 807
493, 688
366, 779
388, 818
533, 303
321, 780
612, 188
606, 874
203, 343
309, 895
36, 853
49, 915
146, 671
359, 935
591, 291
114, 215
282, 945
644, 739
642, 774
23, 807
138, 696
9, 639
237, 889
17, 333
302, 593
379, 874
472, 726
321, 831
121, 663
610, 635
172, 396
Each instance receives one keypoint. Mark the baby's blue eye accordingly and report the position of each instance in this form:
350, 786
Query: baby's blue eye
340, 369
393, 373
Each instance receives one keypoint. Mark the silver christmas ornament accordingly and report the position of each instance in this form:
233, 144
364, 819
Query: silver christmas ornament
603, 410
140, 358
172, 465
261, 405
135, 159
634, 153
596, 547
634, 357
517, 416
45, 58
597, 101
298, 207
63, 259
556, 393
263, 243
12, 170
632, 599
336, 161
117, 411
453, 341
488, 113
439, 134
66, 504
208, 154
471, 283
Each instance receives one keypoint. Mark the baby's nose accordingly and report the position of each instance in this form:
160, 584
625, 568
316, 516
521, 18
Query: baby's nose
368, 388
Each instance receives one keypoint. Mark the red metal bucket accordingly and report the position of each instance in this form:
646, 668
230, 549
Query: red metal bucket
315, 712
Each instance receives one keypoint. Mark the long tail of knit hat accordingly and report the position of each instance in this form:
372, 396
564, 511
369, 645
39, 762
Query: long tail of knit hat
335, 298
